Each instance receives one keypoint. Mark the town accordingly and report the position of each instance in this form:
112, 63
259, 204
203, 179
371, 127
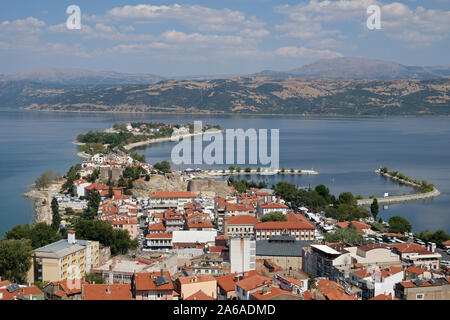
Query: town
217, 240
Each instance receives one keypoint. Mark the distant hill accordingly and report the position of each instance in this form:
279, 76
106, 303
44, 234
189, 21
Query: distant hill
258, 95
359, 68
81, 77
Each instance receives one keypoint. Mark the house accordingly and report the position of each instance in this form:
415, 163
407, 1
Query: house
193, 238
282, 250
236, 209
187, 286
122, 222
274, 293
152, 286
241, 226
208, 263
226, 289
156, 228
413, 253
19, 292
79, 187
58, 260
174, 220
200, 225
374, 254
200, 295
324, 261
119, 270
374, 281
297, 285
106, 292
62, 290
245, 287
265, 208
170, 199
433, 289
158, 241
300, 229
333, 291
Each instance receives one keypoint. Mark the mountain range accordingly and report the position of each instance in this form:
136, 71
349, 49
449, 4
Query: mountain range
336, 68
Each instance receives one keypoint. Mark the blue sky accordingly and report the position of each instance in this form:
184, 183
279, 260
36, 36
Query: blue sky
218, 37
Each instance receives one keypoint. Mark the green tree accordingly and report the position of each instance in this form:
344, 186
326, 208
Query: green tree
15, 259
347, 235
163, 166
42, 235
248, 169
347, 198
274, 216
231, 168
286, 191
324, 192
56, 218
374, 209
92, 278
399, 224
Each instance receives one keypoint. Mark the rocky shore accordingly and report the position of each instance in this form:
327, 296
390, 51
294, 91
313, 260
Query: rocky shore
42, 200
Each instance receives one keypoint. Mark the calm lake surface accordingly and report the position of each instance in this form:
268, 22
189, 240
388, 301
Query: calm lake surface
345, 151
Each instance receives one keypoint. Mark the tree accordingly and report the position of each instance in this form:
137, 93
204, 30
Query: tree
347, 198
324, 192
311, 281
46, 178
248, 169
231, 168
374, 209
56, 219
399, 224
15, 259
42, 235
92, 208
286, 191
347, 235
163, 166
274, 216
92, 278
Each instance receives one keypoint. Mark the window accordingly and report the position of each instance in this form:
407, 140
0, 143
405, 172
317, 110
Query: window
419, 296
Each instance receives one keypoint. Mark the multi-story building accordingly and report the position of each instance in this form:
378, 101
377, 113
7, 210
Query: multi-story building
433, 289
324, 261
64, 259
242, 254
163, 200
241, 226
299, 229
266, 208
417, 255
189, 286
284, 251
208, 263
374, 281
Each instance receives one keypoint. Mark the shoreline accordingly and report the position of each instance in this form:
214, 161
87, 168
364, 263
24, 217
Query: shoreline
326, 115
42, 200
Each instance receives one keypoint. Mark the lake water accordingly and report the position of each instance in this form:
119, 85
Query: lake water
345, 151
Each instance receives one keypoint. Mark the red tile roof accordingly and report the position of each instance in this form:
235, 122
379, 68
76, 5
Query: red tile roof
162, 235
227, 282
199, 295
147, 281
273, 205
107, 292
382, 296
243, 219
238, 207
410, 247
272, 293
358, 225
199, 224
157, 227
333, 291
253, 282
415, 270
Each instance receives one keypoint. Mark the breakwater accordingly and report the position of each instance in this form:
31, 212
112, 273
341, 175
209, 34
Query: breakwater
402, 198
